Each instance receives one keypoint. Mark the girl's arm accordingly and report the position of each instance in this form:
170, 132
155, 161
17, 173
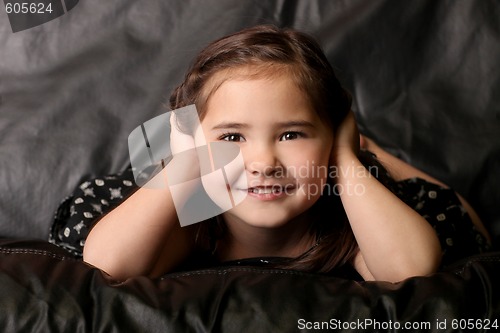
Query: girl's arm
401, 170
142, 236
395, 241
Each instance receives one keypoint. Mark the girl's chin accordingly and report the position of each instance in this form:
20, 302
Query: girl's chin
256, 220
266, 218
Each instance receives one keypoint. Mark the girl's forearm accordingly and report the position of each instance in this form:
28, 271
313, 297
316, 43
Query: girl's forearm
142, 236
395, 241
401, 170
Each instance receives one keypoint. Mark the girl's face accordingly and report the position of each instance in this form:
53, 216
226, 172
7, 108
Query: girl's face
284, 143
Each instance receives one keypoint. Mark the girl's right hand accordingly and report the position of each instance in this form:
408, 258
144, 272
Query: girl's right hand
181, 141
185, 164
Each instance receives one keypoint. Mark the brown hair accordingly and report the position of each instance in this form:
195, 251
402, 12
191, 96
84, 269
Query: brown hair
269, 51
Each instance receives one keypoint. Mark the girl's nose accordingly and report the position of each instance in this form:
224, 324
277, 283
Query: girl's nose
263, 162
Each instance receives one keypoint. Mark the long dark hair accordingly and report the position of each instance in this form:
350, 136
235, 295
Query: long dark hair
270, 51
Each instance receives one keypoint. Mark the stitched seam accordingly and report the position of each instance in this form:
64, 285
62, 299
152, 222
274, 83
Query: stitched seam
36, 252
277, 271
472, 260
234, 269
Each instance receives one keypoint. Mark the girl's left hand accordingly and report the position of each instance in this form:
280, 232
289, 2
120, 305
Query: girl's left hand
346, 139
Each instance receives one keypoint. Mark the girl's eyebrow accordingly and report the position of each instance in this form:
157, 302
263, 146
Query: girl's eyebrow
283, 124
225, 125
295, 123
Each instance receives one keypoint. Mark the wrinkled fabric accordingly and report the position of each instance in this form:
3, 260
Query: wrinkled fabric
424, 77
45, 290
425, 82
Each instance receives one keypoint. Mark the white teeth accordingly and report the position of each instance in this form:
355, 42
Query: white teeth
266, 190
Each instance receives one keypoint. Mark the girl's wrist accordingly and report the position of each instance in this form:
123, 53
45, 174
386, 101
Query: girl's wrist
349, 167
346, 157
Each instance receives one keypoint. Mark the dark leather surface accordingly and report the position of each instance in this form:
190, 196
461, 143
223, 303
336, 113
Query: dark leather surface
43, 290
424, 75
426, 85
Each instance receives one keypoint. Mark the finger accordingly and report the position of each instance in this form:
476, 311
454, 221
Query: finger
347, 137
179, 141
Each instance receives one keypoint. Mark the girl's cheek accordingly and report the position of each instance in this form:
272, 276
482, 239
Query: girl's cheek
308, 171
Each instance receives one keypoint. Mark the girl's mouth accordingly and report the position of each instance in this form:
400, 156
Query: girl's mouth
270, 192
265, 190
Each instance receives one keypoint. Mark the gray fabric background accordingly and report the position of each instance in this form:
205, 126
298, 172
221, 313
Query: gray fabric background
424, 75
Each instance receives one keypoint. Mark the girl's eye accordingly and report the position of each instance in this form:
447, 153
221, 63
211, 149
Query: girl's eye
290, 136
232, 137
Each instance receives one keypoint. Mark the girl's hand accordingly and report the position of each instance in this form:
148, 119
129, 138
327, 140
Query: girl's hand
346, 140
179, 140
184, 165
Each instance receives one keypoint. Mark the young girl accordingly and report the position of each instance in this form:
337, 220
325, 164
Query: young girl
273, 93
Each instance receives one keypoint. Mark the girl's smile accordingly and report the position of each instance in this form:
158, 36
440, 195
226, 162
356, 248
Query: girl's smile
270, 192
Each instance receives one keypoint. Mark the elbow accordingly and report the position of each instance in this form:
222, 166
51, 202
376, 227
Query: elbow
423, 261
429, 267
112, 271
106, 263
426, 264
90, 253
430, 260
93, 257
